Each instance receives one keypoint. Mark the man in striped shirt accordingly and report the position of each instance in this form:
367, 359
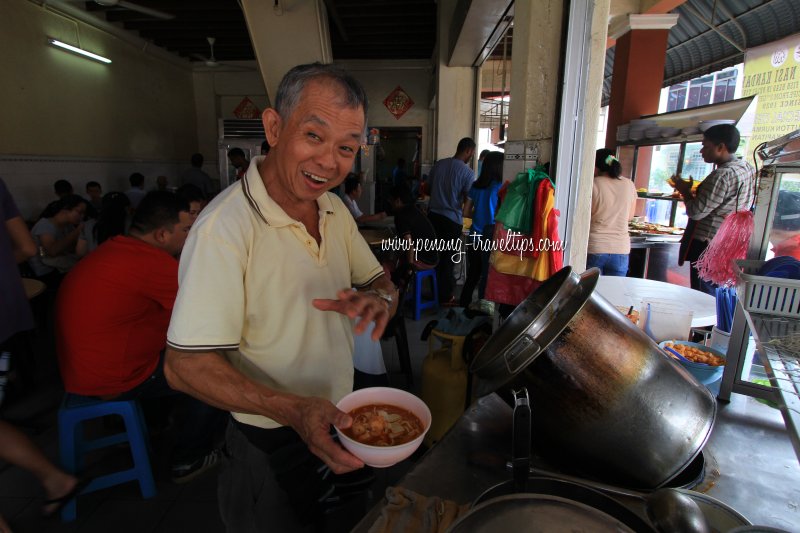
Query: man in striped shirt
729, 188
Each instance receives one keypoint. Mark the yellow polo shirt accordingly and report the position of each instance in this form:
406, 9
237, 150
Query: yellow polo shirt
247, 276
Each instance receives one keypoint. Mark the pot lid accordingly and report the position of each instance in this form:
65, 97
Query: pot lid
536, 513
531, 327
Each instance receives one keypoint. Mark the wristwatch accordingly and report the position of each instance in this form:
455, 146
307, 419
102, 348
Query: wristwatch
380, 293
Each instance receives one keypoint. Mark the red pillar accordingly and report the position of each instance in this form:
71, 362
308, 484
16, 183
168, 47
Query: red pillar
641, 51
636, 81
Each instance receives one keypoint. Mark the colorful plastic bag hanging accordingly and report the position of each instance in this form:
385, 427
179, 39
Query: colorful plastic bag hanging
715, 264
516, 211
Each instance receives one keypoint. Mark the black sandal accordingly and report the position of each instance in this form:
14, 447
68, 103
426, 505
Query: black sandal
60, 502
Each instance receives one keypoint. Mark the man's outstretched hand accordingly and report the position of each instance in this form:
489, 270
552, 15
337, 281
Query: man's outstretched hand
370, 307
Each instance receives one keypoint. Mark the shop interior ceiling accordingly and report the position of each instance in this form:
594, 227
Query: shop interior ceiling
710, 34
714, 34
359, 29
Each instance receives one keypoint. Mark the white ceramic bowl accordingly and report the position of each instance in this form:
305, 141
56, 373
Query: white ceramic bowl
653, 133
636, 134
667, 131
384, 456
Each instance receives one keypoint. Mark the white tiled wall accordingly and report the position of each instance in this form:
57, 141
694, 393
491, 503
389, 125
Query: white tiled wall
30, 178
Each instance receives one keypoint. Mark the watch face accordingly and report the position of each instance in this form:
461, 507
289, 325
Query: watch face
385, 295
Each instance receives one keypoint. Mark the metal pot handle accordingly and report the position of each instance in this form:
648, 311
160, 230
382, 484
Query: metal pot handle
521, 353
521, 442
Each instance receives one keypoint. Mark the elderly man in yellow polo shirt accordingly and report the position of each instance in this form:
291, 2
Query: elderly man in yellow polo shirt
263, 321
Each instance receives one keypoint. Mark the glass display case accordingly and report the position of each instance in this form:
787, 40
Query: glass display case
773, 372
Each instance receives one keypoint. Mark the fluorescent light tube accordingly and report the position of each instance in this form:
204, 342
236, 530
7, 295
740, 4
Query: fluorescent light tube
77, 50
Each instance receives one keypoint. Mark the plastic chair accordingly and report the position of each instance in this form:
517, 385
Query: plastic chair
73, 446
419, 303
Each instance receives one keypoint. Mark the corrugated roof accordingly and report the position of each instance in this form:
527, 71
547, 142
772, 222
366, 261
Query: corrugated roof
695, 49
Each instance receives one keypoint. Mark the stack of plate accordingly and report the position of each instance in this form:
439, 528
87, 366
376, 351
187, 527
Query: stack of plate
690, 130
667, 131
623, 132
639, 127
653, 132
705, 124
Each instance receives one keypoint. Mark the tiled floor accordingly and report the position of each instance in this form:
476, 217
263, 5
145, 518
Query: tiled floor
751, 451
175, 508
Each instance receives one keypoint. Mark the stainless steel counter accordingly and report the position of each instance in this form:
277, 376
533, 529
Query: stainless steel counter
471, 458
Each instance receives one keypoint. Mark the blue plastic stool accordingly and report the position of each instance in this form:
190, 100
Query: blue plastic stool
419, 303
73, 412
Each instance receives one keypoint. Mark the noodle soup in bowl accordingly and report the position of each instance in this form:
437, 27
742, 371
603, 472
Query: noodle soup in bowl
388, 425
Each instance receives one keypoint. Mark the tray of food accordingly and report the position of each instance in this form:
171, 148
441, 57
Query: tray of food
649, 229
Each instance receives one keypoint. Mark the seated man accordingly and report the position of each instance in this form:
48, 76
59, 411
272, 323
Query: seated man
112, 315
352, 192
415, 228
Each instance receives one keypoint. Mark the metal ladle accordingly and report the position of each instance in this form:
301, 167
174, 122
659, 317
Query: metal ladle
670, 510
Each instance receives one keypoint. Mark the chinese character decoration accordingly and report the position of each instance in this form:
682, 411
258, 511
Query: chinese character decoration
398, 102
247, 109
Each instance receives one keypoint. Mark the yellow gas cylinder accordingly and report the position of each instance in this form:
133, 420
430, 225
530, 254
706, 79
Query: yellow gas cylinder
444, 382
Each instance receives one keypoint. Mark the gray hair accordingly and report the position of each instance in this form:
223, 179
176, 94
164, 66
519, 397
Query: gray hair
293, 83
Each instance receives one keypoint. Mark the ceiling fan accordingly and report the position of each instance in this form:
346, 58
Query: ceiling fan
124, 4
211, 60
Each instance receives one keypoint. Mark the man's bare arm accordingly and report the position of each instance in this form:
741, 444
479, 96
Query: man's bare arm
209, 377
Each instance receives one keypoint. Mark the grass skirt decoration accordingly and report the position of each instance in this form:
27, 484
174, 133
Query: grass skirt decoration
715, 264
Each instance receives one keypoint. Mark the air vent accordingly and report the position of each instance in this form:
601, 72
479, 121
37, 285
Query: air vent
237, 128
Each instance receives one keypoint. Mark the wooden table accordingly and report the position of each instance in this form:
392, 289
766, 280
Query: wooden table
374, 236
384, 223
625, 292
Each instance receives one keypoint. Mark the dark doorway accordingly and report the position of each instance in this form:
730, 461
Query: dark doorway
396, 143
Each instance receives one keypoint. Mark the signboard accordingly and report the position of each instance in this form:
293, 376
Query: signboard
772, 71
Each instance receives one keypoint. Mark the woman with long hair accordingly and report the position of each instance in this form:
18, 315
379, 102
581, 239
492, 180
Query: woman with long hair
613, 206
481, 206
112, 221
56, 235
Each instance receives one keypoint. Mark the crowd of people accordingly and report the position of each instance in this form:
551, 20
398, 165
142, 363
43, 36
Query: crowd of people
110, 272
249, 305
72, 225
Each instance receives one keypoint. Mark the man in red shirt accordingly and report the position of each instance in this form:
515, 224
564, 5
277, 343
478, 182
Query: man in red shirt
113, 311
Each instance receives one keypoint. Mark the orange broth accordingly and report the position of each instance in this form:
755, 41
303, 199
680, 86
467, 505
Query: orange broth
383, 425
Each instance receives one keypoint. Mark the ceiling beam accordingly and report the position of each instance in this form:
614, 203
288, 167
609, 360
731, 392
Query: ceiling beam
474, 35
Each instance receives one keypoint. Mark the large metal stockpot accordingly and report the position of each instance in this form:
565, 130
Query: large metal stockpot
604, 396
